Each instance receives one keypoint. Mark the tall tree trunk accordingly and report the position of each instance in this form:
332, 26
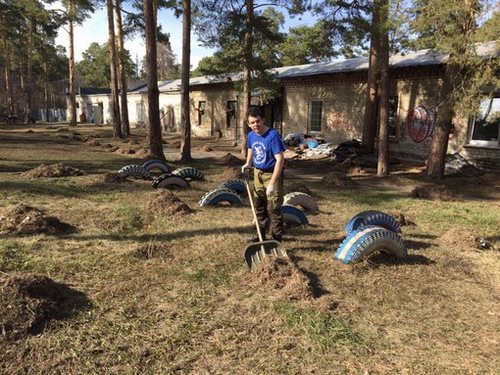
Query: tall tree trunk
370, 117
186, 55
7, 73
122, 72
155, 141
29, 77
383, 136
72, 72
436, 159
46, 90
115, 103
247, 71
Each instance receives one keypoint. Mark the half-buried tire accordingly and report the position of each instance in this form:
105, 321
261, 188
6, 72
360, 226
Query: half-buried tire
236, 185
214, 197
293, 215
372, 217
160, 165
364, 241
303, 200
189, 173
167, 180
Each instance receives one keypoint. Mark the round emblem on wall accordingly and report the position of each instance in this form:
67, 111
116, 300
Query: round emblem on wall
420, 123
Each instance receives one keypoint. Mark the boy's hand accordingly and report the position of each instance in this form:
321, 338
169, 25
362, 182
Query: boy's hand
270, 190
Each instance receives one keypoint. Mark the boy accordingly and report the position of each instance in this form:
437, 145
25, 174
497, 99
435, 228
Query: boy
265, 152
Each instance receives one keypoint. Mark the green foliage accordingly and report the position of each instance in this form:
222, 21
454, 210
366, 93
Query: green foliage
307, 44
94, 68
452, 28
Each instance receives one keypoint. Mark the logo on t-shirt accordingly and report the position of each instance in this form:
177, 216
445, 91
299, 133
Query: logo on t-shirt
259, 153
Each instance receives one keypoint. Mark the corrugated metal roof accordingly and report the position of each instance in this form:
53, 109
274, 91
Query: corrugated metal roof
425, 57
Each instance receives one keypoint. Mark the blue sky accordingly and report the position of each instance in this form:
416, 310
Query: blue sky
95, 29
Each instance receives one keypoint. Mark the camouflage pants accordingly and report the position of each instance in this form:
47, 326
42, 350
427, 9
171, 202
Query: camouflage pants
268, 209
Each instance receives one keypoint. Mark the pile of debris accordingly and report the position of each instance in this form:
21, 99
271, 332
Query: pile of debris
457, 165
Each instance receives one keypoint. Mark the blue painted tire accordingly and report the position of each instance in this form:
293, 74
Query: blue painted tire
292, 215
236, 185
157, 164
216, 196
372, 217
134, 170
189, 173
167, 180
364, 241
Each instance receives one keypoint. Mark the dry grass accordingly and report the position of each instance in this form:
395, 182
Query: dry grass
171, 293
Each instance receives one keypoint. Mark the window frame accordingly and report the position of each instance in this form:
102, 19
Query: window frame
309, 116
472, 122
201, 111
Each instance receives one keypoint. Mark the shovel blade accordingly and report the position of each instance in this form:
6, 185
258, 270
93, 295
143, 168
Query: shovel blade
255, 252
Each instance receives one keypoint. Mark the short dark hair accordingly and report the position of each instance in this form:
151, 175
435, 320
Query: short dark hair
254, 112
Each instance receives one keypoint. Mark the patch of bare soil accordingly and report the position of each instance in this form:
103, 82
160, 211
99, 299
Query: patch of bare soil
24, 219
142, 152
432, 193
165, 203
464, 239
153, 250
28, 304
113, 178
337, 179
92, 142
230, 159
284, 277
53, 170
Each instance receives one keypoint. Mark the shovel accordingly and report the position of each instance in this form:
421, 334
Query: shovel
255, 252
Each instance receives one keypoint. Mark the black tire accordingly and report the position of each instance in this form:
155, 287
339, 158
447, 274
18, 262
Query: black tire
372, 217
134, 170
189, 173
158, 165
364, 241
167, 180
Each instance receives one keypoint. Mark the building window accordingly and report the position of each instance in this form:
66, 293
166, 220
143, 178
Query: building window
231, 114
484, 127
315, 115
201, 112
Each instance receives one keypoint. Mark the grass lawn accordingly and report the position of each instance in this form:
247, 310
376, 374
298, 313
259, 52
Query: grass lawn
141, 292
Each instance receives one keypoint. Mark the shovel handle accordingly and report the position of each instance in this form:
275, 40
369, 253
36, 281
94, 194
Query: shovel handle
250, 198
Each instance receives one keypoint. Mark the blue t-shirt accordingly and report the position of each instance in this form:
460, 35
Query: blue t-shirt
264, 147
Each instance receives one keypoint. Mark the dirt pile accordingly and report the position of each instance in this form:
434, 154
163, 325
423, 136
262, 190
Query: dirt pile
165, 203
337, 179
28, 304
283, 276
400, 218
230, 159
113, 178
53, 170
229, 173
24, 219
465, 239
432, 193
